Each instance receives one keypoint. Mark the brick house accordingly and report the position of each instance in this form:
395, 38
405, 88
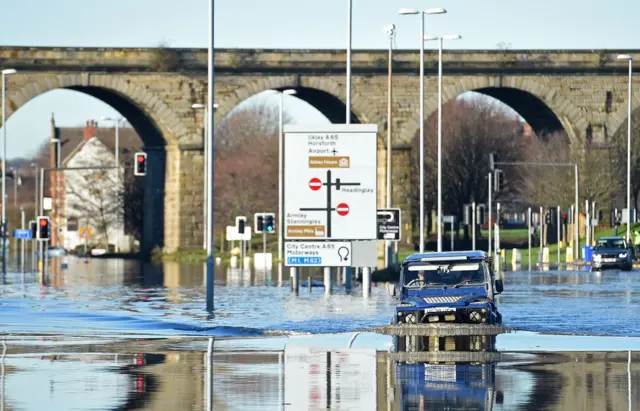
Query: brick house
90, 145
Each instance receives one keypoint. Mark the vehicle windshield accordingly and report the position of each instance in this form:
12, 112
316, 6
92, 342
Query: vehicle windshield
453, 273
611, 243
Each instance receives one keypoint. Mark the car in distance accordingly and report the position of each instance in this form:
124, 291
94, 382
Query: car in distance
612, 252
448, 287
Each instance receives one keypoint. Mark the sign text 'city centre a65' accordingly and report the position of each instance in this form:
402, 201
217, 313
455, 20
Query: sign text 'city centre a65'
330, 182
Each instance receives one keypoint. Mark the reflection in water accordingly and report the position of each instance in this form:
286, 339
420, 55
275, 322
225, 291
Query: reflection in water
431, 377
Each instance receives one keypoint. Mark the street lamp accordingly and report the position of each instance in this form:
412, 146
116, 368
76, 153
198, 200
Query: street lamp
390, 30
199, 106
630, 59
288, 92
117, 123
439, 220
422, 27
5, 73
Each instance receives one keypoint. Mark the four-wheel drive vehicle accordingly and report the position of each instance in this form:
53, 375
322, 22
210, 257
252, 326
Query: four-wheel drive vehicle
448, 287
612, 252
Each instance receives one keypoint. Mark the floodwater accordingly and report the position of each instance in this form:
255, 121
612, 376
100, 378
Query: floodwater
102, 297
107, 334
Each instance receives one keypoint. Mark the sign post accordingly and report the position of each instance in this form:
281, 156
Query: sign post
389, 226
330, 194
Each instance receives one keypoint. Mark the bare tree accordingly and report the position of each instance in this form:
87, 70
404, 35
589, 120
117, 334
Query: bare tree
552, 186
94, 197
472, 129
246, 163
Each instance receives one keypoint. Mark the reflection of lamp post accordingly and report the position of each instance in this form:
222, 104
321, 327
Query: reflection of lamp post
439, 220
630, 59
5, 73
199, 106
421, 162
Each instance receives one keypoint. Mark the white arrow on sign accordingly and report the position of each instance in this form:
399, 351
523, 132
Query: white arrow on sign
387, 213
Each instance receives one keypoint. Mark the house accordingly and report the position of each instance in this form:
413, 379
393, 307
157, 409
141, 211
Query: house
92, 198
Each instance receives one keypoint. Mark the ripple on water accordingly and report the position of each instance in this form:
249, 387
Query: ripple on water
579, 302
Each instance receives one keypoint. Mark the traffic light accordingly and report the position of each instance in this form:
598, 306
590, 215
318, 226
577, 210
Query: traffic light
565, 219
44, 228
270, 223
241, 222
547, 218
498, 180
264, 223
33, 225
258, 222
492, 160
141, 164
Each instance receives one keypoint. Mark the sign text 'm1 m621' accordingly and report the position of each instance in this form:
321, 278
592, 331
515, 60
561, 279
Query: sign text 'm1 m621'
318, 253
330, 182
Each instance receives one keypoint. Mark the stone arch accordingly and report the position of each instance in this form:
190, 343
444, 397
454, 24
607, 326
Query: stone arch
571, 119
154, 120
163, 133
619, 118
361, 108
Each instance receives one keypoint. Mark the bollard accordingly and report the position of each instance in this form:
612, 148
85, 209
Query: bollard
347, 278
293, 276
309, 284
366, 281
327, 281
569, 255
516, 256
544, 255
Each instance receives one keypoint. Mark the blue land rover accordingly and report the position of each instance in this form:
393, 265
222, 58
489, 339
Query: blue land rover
447, 287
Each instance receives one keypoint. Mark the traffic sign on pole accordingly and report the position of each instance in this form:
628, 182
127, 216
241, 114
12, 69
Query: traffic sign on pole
330, 182
389, 224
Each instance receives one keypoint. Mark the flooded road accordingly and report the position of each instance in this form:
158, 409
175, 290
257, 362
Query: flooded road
169, 375
105, 334
106, 297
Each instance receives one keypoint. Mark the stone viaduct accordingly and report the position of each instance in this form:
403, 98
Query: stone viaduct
582, 91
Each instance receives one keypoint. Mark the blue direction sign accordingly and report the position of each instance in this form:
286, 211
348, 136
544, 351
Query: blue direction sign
304, 260
22, 234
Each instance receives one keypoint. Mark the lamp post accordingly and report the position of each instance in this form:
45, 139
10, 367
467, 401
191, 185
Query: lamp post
210, 277
630, 59
288, 92
117, 153
422, 27
429, 38
5, 73
199, 106
390, 30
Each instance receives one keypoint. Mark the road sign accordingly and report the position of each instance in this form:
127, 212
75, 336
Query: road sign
85, 233
389, 224
22, 234
342, 209
233, 235
318, 253
330, 182
315, 184
448, 219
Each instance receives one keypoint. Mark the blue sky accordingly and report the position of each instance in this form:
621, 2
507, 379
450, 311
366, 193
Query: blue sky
543, 24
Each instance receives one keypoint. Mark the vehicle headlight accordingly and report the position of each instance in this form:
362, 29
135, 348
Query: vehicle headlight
597, 257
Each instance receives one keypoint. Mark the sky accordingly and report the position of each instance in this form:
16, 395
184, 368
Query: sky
543, 24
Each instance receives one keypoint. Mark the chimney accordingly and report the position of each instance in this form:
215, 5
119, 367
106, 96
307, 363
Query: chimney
90, 129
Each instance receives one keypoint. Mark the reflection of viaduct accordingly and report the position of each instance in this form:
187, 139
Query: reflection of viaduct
583, 92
